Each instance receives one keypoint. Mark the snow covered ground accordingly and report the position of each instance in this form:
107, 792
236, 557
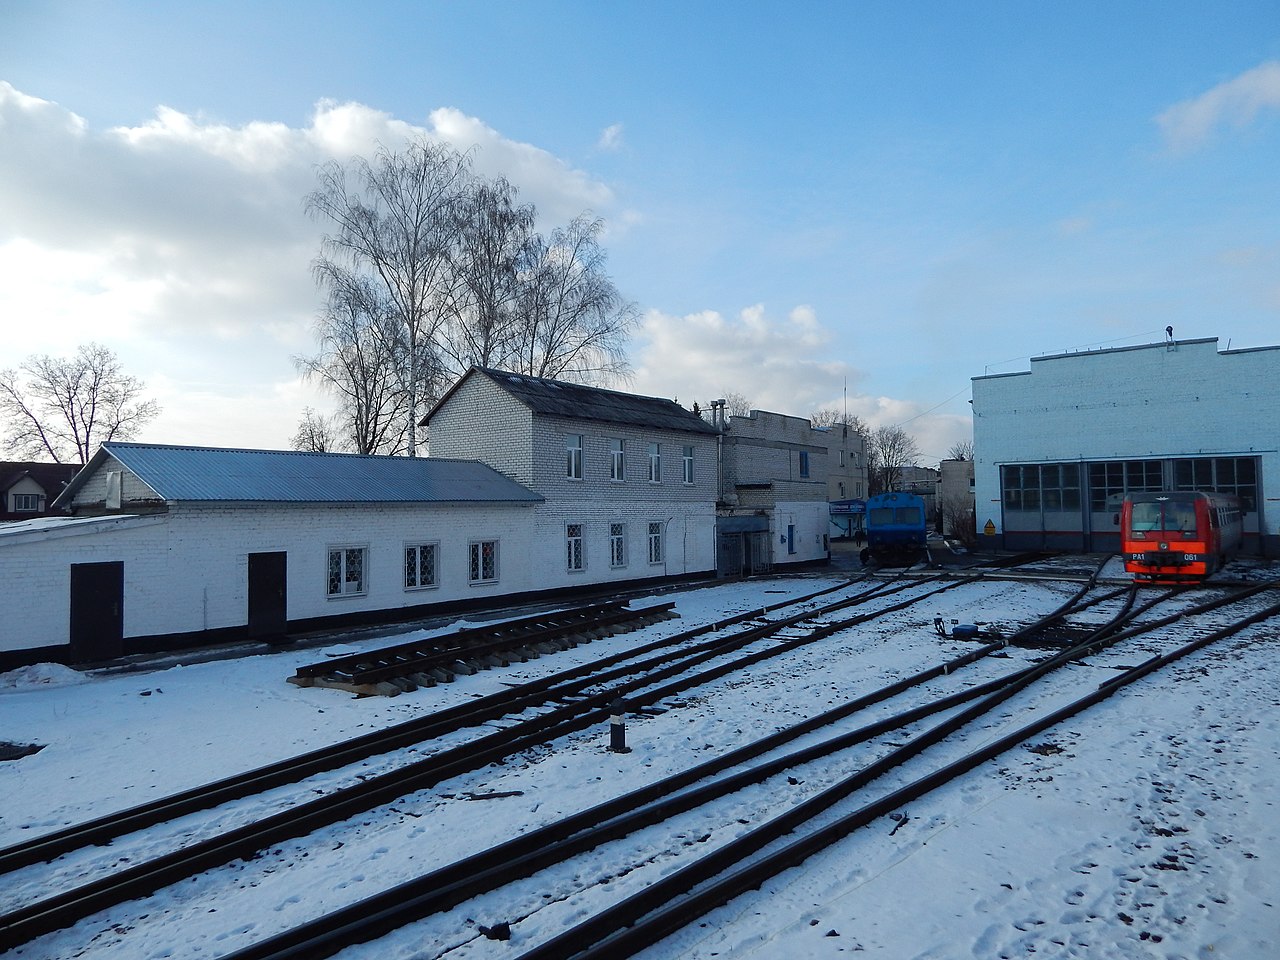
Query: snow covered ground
1145, 827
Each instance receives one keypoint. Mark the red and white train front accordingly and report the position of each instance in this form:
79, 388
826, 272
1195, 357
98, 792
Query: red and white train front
1178, 536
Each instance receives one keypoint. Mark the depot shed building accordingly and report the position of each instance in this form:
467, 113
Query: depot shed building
1057, 447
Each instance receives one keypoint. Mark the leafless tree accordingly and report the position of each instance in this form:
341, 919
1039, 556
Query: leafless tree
891, 448
493, 238
736, 405
65, 407
827, 417
961, 450
429, 269
318, 433
573, 322
359, 364
394, 222
959, 519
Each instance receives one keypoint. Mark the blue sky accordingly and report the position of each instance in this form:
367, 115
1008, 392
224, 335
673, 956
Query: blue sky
799, 197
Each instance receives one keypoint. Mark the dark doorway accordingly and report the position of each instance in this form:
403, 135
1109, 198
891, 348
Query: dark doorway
97, 611
268, 596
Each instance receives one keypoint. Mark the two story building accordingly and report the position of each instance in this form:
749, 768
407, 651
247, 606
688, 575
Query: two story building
772, 509
627, 482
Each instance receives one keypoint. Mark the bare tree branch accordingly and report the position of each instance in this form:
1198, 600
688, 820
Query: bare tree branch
64, 408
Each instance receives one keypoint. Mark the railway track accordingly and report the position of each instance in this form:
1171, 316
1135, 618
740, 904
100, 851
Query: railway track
574, 707
690, 893
582, 710
404, 667
620, 931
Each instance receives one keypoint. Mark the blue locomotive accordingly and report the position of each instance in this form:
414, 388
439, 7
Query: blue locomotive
895, 529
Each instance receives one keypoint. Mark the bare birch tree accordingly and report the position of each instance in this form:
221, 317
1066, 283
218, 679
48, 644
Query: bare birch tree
360, 338
573, 322
63, 408
394, 221
494, 235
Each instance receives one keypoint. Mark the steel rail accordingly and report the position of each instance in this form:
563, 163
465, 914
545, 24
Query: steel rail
55, 912
102, 830
35, 919
686, 895
522, 856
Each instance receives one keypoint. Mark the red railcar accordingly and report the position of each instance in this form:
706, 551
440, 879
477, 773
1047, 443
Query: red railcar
1178, 536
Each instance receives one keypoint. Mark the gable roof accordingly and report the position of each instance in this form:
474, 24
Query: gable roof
216, 475
51, 477
575, 401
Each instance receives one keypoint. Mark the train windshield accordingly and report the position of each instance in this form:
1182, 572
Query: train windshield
889, 516
1168, 515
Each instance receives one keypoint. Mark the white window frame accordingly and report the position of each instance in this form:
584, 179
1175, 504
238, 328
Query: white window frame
475, 561
655, 463
573, 456
617, 459
687, 463
25, 502
417, 548
617, 544
348, 586
575, 547
655, 541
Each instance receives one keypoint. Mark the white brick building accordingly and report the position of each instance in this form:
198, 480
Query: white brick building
173, 546
535, 489
628, 482
1057, 447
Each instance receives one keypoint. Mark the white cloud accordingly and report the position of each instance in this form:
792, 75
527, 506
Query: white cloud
559, 192
182, 244
1237, 102
610, 138
787, 366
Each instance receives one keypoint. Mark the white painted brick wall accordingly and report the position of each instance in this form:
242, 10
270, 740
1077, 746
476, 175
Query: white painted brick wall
811, 520
1140, 403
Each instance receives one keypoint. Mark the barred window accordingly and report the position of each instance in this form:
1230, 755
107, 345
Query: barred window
575, 558
420, 565
484, 561
655, 542
346, 571
617, 545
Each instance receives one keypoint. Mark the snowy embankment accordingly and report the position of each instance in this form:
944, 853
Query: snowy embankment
1145, 827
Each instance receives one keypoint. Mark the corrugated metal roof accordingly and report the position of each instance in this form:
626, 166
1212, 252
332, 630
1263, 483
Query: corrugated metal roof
283, 476
579, 402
